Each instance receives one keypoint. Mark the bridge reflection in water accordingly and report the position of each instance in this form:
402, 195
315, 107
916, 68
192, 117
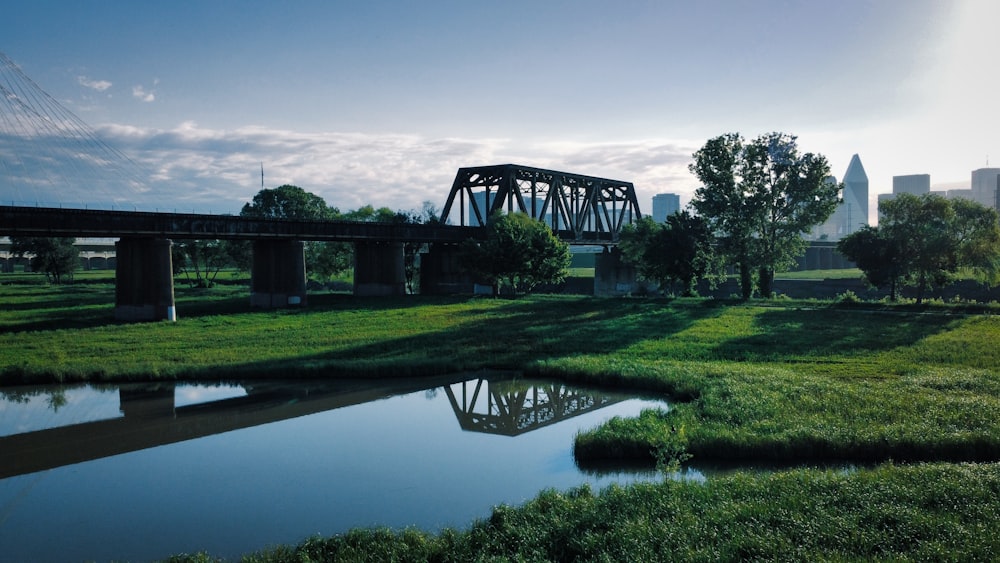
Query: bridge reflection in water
514, 407
151, 418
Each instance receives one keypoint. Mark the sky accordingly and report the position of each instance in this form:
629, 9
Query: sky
381, 102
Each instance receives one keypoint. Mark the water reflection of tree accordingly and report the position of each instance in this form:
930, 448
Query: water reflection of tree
56, 398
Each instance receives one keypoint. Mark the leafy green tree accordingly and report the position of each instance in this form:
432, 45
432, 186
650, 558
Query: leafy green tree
369, 214
877, 256
203, 258
323, 259
759, 198
518, 252
57, 257
977, 230
288, 202
923, 228
924, 241
679, 250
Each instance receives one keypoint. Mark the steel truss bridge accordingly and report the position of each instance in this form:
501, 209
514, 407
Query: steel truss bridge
579, 209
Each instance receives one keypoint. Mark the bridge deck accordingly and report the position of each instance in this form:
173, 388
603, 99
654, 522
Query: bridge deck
94, 223
54, 222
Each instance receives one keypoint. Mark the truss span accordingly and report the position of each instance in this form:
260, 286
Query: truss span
580, 209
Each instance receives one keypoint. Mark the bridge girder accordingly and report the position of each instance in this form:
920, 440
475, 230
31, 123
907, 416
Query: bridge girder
55, 222
579, 209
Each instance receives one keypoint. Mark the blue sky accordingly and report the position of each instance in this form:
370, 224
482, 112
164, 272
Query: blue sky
380, 102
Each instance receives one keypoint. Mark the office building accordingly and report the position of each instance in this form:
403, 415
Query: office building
852, 212
665, 204
985, 182
916, 184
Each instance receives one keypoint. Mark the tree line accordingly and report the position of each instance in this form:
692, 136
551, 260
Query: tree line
758, 198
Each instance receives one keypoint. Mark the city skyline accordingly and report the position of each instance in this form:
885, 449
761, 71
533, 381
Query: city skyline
381, 103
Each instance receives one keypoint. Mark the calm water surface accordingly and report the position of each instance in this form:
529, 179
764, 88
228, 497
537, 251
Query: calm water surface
143, 472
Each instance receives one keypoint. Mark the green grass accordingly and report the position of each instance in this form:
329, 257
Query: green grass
918, 513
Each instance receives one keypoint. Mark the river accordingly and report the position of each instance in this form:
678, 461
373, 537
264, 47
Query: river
139, 472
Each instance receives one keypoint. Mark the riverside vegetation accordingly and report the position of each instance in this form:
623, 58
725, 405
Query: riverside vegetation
908, 397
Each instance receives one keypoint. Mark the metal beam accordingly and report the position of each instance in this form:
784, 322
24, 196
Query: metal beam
578, 208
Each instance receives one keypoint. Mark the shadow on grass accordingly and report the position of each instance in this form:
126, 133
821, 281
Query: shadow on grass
809, 334
505, 338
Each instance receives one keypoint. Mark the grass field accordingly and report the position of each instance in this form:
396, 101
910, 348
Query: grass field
764, 381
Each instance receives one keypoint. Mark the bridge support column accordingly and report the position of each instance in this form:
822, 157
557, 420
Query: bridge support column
379, 269
612, 276
278, 274
144, 280
440, 273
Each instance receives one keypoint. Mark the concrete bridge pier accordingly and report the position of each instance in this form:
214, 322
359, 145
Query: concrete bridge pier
278, 274
440, 273
379, 269
144, 280
612, 276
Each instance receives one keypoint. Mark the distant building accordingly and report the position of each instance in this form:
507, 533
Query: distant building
985, 183
852, 213
665, 204
916, 184
963, 193
480, 199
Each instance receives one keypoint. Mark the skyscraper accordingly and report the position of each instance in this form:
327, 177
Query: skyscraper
852, 213
665, 204
916, 184
984, 186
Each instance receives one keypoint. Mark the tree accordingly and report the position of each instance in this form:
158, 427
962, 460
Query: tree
977, 230
369, 214
759, 198
205, 257
57, 257
323, 259
428, 215
877, 256
518, 252
680, 250
288, 202
923, 228
924, 240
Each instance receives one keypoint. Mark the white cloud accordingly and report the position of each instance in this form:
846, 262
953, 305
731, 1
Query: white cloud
99, 85
195, 168
142, 94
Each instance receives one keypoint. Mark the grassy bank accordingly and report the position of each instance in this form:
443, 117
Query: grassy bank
923, 513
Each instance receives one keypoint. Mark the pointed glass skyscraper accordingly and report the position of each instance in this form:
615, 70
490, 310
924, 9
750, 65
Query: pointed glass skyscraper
852, 213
